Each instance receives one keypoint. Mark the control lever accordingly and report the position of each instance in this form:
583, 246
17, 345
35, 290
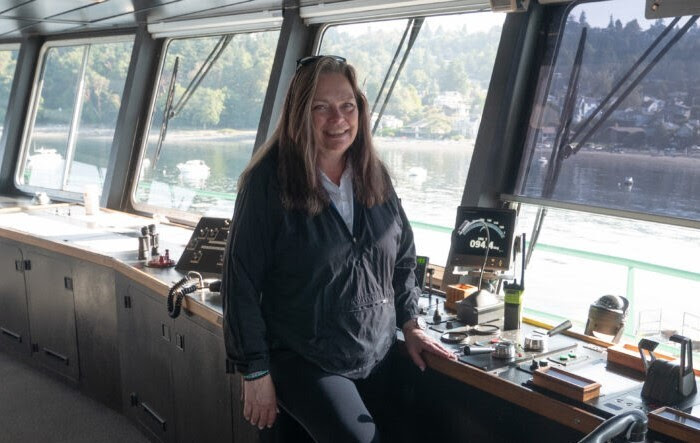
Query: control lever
215, 286
537, 343
476, 350
686, 382
666, 382
430, 272
559, 328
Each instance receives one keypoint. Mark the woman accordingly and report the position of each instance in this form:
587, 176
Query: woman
320, 265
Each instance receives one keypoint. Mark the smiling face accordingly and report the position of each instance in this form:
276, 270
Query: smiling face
334, 116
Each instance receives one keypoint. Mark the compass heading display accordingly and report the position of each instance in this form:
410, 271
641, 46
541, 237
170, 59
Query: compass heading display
478, 228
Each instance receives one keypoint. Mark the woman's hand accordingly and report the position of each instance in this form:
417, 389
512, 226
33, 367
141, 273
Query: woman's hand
418, 341
260, 402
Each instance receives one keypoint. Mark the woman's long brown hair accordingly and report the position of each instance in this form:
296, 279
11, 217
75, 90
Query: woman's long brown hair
293, 142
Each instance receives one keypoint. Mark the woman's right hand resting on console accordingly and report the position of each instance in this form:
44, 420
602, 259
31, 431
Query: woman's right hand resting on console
260, 402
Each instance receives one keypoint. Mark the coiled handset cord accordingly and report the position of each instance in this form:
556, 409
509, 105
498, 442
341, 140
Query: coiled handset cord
177, 293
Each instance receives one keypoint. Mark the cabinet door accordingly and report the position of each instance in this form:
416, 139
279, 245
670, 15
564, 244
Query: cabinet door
145, 335
14, 320
52, 313
201, 386
96, 326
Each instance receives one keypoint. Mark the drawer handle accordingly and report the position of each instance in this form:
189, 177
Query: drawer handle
153, 415
11, 334
56, 355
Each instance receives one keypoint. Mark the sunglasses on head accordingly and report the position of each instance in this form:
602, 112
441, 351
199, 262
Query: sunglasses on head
304, 61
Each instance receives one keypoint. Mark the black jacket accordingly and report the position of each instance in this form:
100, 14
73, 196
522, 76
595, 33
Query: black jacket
307, 284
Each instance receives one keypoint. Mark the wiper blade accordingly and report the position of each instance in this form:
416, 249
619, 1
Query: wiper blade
414, 25
562, 136
201, 73
662, 52
409, 24
170, 111
624, 78
167, 109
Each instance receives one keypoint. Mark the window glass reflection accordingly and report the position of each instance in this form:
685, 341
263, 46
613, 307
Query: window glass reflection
429, 123
211, 89
71, 132
633, 141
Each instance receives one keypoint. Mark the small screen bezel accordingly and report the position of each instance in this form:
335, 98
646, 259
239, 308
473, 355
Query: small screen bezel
475, 259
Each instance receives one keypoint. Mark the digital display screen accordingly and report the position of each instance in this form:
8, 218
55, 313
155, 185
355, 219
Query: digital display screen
477, 228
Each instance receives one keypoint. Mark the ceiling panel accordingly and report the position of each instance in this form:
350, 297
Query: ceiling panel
190, 10
7, 5
127, 9
31, 17
48, 28
10, 28
42, 9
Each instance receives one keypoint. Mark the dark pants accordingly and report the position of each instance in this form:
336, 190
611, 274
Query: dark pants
333, 408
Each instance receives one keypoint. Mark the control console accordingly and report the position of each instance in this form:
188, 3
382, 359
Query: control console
205, 251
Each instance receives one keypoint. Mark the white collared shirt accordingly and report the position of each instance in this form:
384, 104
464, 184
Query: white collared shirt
341, 196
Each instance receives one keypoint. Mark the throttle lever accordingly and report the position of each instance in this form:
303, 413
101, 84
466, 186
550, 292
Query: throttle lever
559, 328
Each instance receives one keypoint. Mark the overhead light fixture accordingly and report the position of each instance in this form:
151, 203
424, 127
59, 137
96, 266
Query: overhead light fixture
656, 9
217, 25
360, 9
509, 5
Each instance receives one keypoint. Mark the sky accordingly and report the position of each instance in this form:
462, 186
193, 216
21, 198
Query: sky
475, 22
598, 14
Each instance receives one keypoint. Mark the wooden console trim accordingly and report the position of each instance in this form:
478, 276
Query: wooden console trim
675, 429
149, 281
570, 333
628, 355
560, 412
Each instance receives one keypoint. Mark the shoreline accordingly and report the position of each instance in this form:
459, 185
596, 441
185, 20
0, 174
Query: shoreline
645, 155
239, 135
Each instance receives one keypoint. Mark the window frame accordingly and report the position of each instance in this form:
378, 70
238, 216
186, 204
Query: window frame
33, 108
10, 47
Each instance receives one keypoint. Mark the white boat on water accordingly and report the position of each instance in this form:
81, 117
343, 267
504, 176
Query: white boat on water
417, 174
44, 167
43, 157
194, 172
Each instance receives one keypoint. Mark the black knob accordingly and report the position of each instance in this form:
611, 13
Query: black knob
437, 318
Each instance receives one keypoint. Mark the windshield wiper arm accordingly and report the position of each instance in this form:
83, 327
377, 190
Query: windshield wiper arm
414, 25
561, 139
201, 74
569, 150
409, 24
166, 112
170, 111
624, 77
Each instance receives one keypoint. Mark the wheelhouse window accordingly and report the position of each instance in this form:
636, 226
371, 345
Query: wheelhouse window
616, 123
203, 123
8, 63
611, 167
426, 81
74, 110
